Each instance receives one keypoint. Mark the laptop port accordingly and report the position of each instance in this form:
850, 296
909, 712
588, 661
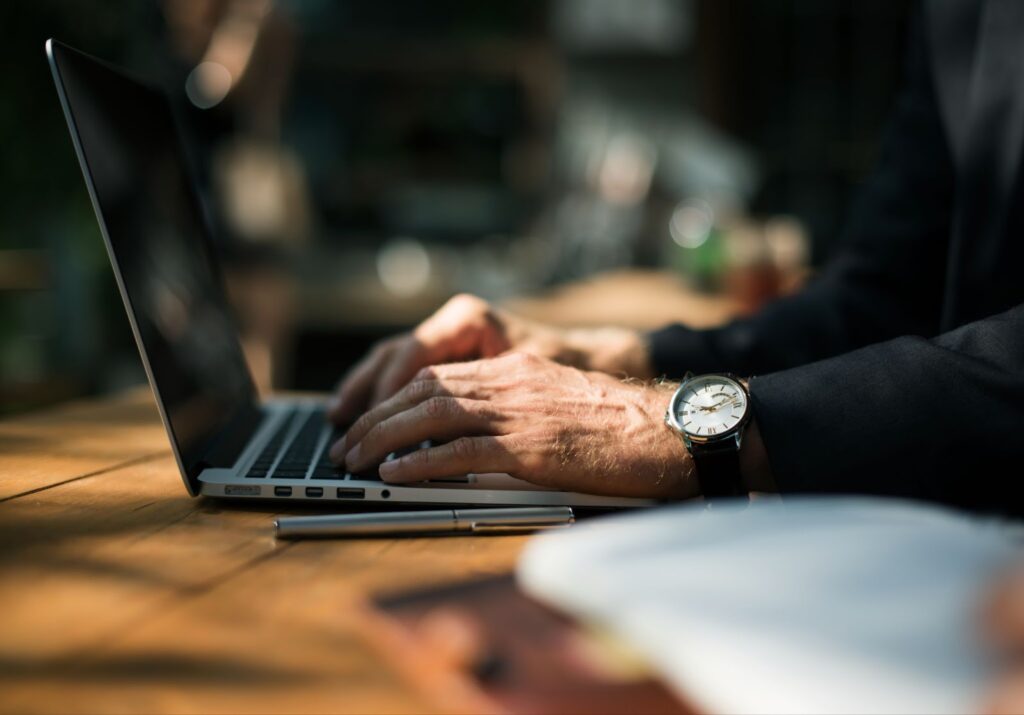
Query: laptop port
282, 491
314, 491
351, 493
241, 490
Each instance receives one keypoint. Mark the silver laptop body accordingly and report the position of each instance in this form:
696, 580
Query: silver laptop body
227, 442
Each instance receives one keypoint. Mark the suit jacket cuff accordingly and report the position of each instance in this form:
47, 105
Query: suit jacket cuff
677, 349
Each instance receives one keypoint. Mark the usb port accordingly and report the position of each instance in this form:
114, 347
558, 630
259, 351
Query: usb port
241, 490
282, 491
351, 493
314, 491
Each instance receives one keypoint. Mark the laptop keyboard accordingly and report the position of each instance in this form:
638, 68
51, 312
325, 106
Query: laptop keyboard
302, 436
295, 462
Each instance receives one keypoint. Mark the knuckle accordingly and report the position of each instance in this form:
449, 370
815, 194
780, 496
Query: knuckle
466, 302
424, 374
422, 390
374, 434
463, 448
439, 407
362, 424
470, 405
419, 458
521, 358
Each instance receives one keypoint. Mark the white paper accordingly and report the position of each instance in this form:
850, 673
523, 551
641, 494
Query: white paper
810, 605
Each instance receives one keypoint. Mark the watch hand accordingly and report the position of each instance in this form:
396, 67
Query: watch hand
714, 407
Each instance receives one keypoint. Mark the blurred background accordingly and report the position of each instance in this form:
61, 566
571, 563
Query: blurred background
583, 161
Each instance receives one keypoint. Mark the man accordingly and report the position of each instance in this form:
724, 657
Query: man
899, 370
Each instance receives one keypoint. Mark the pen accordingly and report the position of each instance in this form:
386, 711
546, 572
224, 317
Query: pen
425, 522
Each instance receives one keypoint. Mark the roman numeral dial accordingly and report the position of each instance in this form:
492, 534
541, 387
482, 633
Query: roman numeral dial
710, 406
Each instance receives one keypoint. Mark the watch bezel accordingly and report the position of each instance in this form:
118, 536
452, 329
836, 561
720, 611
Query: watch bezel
731, 433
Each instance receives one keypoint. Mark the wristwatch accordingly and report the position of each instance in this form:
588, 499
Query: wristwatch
710, 412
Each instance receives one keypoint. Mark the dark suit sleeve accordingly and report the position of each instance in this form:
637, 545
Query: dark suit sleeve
888, 276
939, 419
846, 405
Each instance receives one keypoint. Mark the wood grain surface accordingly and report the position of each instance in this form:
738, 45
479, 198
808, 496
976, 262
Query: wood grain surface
120, 593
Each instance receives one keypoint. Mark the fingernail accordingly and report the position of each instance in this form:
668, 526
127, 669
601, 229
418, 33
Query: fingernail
352, 458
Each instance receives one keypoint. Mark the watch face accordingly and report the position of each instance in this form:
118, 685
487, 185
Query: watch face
710, 406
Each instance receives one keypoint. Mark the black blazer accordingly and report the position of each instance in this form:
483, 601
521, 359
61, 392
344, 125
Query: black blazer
900, 369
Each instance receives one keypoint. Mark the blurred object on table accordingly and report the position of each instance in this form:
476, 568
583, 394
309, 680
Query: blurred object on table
484, 647
628, 298
812, 604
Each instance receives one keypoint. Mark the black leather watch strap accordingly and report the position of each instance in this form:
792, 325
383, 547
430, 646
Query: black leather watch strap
718, 471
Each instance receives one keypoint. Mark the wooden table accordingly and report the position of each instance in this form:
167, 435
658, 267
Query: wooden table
120, 593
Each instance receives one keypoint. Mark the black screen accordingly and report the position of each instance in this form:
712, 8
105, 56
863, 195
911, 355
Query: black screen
160, 250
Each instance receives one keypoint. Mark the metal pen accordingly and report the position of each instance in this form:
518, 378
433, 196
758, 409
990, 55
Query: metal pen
446, 521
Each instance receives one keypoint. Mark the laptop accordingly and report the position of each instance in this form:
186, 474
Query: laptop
227, 442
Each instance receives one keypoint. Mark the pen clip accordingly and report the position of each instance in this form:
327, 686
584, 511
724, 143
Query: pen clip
515, 519
480, 528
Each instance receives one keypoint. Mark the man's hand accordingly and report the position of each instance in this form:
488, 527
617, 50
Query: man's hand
530, 417
468, 328
1004, 624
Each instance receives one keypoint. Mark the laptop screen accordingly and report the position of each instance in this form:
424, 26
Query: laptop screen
160, 250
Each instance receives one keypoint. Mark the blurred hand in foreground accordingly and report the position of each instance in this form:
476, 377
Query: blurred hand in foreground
550, 424
1004, 625
469, 328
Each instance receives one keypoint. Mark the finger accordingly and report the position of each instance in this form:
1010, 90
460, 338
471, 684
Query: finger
457, 331
454, 333
458, 457
355, 388
464, 327
408, 397
1013, 607
454, 637
405, 362
1008, 697
439, 418
1005, 612
485, 369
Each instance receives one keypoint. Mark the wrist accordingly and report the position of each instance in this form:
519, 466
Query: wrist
614, 351
735, 462
667, 452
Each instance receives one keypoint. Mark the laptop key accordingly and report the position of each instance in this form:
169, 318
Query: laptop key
322, 472
262, 464
370, 475
295, 461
